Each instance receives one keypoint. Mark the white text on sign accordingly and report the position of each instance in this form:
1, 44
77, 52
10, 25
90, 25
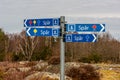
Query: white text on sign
46, 32
83, 28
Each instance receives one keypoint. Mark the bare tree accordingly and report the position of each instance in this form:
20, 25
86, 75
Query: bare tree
27, 45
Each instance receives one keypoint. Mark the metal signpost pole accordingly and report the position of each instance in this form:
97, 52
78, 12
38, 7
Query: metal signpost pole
62, 49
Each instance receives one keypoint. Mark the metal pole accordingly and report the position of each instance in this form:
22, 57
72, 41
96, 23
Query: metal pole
62, 49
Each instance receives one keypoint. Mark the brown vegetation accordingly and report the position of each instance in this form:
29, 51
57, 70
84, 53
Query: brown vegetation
17, 47
54, 60
86, 72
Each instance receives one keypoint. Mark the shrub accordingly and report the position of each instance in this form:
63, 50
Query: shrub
47, 52
94, 58
2, 56
89, 73
14, 76
18, 57
84, 60
86, 72
36, 56
54, 60
73, 72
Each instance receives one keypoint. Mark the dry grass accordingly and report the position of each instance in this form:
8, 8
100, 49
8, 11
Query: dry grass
107, 71
109, 75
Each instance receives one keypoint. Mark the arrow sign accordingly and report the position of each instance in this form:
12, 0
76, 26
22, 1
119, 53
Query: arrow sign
42, 22
80, 38
85, 27
42, 31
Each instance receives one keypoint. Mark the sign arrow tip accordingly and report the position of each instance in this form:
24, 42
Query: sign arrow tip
103, 27
25, 22
28, 31
94, 38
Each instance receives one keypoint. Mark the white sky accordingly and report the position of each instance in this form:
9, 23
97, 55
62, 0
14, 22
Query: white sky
13, 12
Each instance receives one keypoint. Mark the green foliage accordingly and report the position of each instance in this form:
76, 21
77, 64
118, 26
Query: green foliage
68, 56
3, 37
2, 56
94, 58
2, 41
36, 56
18, 57
84, 60
41, 54
46, 53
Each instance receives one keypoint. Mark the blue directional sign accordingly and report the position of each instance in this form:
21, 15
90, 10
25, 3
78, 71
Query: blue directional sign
85, 27
42, 31
80, 38
42, 22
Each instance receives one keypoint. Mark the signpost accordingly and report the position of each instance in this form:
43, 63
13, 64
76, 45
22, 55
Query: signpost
36, 27
80, 37
42, 22
43, 32
85, 27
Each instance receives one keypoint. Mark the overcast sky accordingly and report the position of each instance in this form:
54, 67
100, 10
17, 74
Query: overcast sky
13, 12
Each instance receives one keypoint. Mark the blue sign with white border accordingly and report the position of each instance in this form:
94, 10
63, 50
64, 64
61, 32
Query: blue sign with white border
80, 38
42, 22
85, 27
42, 31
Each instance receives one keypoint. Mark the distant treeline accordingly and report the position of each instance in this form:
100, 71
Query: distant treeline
17, 47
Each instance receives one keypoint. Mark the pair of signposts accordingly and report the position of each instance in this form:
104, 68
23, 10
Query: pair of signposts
56, 27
